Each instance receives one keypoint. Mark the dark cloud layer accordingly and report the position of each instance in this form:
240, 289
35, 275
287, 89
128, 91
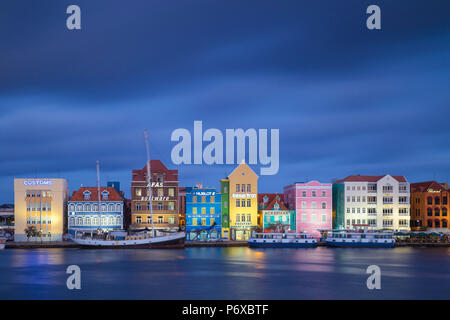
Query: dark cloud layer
346, 100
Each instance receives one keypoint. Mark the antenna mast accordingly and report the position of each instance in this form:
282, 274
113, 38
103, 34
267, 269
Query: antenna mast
98, 194
149, 181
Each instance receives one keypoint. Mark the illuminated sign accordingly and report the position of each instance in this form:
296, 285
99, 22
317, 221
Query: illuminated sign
433, 191
38, 182
243, 195
204, 193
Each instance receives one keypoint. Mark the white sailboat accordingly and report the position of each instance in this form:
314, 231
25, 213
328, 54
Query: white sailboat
133, 241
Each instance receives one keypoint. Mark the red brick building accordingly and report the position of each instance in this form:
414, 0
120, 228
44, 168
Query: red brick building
164, 186
429, 206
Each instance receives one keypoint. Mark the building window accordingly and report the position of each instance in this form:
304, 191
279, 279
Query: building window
238, 202
436, 212
387, 189
303, 204
303, 193
249, 188
212, 221
212, 199
105, 195
194, 210
111, 208
160, 192
324, 193
387, 200
429, 212
313, 205
313, 193
238, 187
430, 200
444, 200
160, 219
303, 217
437, 201
203, 210
324, 218
444, 212
249, 218
249, 202
324, 205
212, 210
171, 205
149, 219
238, 218
243, 188
160, 206
138, 192
139, 219
194, 199
171, 220
87, 195
313, 217
171, 192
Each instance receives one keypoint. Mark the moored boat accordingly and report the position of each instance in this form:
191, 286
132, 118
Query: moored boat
282, 240
359, 238
169, 240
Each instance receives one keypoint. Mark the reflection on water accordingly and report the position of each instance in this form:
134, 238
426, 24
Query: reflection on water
226, 273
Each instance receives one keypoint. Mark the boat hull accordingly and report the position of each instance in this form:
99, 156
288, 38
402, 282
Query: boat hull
359, 244
165, 242
281, 245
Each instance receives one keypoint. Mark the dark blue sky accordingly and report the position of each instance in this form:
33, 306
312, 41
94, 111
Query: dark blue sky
346, 100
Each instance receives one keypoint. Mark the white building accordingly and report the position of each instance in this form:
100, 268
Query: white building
377, 201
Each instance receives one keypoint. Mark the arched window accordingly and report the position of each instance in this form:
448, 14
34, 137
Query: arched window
72, 207
118, 208
88, 221
437, 223
429, 200
88, 207
118, 221
430, 223
103, 207
437, 212
437, 200
111, 208
79, 207
79, 221
72, 221
324, 205
429, 212
444, 212
444, 223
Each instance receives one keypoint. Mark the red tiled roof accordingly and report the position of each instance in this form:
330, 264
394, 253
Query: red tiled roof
79, 196
424, 186
271, 201
156, 166
358, 177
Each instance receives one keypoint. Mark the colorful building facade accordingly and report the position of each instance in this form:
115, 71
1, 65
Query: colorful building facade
164, 186
273, 215
203, 214
375, 202
40, 207
429, 206
225, 207
88, 213
312, 204
242, 186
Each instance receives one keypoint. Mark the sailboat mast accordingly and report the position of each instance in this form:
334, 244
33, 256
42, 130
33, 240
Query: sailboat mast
149, 181
98, 194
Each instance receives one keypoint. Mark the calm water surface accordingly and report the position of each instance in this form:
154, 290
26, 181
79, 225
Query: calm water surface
226, 273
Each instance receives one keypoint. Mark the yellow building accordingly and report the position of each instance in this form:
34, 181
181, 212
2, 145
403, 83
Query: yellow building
242, 185
40, 207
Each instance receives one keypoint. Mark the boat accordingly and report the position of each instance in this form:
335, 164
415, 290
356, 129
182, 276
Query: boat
121, 239
282, 240
2, 243
138, 241
359, 238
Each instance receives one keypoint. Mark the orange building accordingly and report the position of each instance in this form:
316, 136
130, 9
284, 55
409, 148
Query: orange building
429, 206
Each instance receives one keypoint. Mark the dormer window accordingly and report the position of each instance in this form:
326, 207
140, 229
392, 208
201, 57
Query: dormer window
87, 195
276, 206
105, 195
265, 199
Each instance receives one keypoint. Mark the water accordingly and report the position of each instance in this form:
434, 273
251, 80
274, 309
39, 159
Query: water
226, 273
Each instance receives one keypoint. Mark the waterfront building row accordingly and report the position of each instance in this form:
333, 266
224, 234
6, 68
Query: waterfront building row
44, 211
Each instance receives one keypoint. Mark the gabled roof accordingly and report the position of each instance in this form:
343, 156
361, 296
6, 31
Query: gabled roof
78, 195
360, 178
242, 167
424, 186
271, 201
156, 166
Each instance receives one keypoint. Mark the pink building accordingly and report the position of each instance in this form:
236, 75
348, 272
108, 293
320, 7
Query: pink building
311, 202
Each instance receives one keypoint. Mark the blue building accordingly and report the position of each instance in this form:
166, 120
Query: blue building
84, 214
203, 214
